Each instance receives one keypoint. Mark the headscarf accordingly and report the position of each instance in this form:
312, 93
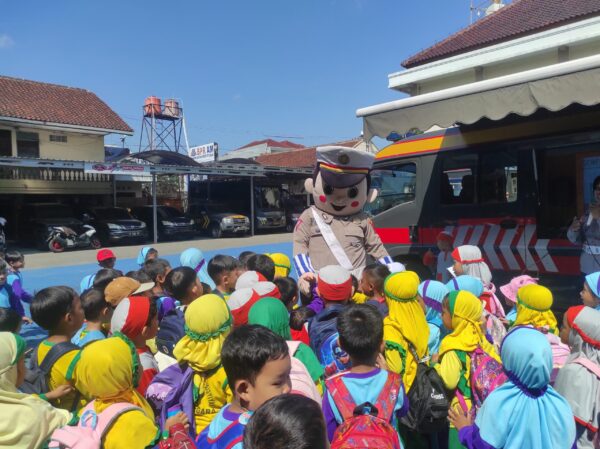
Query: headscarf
272, 314
141, 258
194, 258
526, 412
17, 410
466, 311
579, 386
406, 320
433, 293
130, 316
108, 372
207, 324
533, 308
465, 282
283, 266
473, 264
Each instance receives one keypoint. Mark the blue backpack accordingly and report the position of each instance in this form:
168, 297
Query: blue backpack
170, 332
332, 357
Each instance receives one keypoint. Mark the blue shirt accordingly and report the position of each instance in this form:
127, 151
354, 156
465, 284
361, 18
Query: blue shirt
83, 337
5, 298
226, 428
87, 282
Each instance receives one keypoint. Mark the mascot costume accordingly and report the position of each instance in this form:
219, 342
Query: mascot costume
336, 231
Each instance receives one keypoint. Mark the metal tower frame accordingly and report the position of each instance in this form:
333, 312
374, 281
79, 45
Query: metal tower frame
163, 131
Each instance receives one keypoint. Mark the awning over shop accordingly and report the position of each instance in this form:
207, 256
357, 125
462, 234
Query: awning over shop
553, 87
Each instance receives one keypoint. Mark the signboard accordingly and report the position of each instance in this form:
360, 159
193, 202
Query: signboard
205, 153
108, 168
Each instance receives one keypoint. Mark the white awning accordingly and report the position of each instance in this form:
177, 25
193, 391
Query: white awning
552, 87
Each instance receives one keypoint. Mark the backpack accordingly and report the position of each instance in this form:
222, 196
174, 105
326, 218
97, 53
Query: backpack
232, 435
302, 382
429, 404
171, 391
171, 331
366, 425
36, 377
560, 354
332, 357
487, 374
92, 428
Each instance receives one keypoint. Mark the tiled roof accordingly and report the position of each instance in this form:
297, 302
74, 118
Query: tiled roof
273, 143
43, 102
305, 157
520, 18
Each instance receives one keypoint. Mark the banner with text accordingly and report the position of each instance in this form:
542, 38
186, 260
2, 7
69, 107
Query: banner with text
109, 168
205, 153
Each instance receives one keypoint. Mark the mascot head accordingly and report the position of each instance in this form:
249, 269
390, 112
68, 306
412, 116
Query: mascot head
341, 184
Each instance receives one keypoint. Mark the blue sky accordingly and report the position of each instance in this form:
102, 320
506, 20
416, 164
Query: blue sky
245, 69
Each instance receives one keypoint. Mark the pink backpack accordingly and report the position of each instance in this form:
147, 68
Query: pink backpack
92, 428
302, 382
560, 353
487, 374
366, 425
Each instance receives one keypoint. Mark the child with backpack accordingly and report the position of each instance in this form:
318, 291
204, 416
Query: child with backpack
288, 421
272, 314
97, 316
590, 293
525, 412
258, 365
377, 393
579, 380
57, 310
464, 353
433, 293
371, 284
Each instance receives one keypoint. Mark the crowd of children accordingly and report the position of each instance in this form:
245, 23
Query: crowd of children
226, 353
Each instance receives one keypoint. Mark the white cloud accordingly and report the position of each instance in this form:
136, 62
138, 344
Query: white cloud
6, 41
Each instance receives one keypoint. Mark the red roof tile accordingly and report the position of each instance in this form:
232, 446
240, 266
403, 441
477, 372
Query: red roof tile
520, 18
273, 143
305, 157
43, 102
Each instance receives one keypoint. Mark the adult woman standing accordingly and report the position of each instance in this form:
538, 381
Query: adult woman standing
586, 231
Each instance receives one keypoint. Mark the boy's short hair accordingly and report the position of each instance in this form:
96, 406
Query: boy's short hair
263, 264
51, 304
9, 320
244, 257
377, 274
361, 331
288, 289
104, 277
14, 256
156, 267
140, 275
179, 281
299, 316
247, 350
93, 302
221, 264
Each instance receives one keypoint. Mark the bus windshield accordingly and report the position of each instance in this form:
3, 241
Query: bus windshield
396, 185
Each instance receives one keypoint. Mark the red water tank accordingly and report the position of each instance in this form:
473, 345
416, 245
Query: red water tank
152, 106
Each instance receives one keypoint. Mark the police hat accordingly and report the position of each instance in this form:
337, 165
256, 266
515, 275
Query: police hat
343, 166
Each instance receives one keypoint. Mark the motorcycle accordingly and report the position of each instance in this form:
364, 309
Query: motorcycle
62, 237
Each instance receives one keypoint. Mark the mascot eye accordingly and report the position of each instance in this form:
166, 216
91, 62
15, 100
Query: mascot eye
327, 189
352, 192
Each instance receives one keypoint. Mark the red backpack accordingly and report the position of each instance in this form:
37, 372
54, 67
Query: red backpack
366, 425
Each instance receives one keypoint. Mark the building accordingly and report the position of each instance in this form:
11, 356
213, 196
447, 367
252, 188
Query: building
261, 147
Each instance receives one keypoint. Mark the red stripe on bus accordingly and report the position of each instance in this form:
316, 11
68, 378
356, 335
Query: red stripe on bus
394, 235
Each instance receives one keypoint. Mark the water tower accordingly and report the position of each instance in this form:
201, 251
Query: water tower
163, 126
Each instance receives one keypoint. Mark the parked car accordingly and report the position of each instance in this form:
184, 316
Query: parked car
172, 224
294, 205
38, 221
115, 225
216, 220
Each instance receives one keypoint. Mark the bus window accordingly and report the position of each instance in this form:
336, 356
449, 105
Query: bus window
396, 185
498, 180
459, 178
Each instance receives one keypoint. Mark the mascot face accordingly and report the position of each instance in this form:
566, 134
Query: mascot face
339, 201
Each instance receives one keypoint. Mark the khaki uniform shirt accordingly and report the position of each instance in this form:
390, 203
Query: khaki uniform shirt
355, 234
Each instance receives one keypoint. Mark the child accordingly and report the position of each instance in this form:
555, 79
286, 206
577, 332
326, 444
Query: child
371, 284
575, 382
106, 259
207, 324
183, 284
223, 270
443, 261
157, 270
289, 291
510, 294
194, 258
264, 265
244, 257
590, 294
461, 314
433, 293
288, 421
466, 283
283, 266
257, 364
104, 277
299, 319
59, 311
361, 336
124, 287
7, 299
525, 412
10, 321
405, 327
249, 279
16, 262
145, 254
137, 319
97, 315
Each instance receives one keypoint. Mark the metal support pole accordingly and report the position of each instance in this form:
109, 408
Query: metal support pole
154, 211
114, 183
252, 205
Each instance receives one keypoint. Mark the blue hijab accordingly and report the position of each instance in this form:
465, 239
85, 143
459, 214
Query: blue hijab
466, 282
593, 282
526, 412
194, 258
141, 258
433, 293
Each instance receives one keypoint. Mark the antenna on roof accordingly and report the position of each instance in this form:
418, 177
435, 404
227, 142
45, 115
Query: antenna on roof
484, 8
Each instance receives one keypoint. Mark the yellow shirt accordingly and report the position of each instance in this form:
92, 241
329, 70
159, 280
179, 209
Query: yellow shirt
61, 373
132, 430
213, 393
450, 370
